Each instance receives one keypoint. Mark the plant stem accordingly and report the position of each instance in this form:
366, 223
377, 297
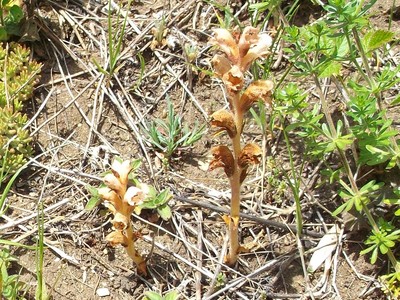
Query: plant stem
133, 254
231, 258
235, 183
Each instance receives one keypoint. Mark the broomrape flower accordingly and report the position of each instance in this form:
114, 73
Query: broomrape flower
122, 201
240, 51
243, 49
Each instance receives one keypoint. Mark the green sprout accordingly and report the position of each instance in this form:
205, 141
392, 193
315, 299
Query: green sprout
171, 295
171, 135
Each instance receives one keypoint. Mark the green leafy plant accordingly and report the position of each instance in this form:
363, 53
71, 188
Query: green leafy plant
171, 295
171, 135
322, 51
240, 50
11, 287
122, 193
11, 15
156, 201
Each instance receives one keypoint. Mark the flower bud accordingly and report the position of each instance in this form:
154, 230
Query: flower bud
121, 170
113, 183
224, 120
133, 196
116, 238
120, 221
224, 39
258, 90
233, 79
223, 158
108, 194
248, 37
221, 65
250, 154
256, 50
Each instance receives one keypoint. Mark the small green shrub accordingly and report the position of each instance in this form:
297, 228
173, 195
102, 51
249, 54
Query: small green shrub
11, 15
345, 40
10, 286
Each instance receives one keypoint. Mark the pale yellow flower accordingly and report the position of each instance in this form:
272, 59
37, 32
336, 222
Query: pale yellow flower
224, 39
259, 49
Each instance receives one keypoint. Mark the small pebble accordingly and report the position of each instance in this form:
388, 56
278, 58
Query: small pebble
102, 292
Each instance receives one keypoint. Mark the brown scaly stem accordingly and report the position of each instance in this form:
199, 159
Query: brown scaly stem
235, 206
132, 252
235, 183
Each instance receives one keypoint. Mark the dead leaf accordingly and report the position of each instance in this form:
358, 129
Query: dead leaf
324, 249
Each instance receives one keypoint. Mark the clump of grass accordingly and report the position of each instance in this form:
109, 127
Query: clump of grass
239, 51
116, 34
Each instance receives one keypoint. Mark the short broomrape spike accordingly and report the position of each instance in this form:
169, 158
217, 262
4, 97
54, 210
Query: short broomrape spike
122, 203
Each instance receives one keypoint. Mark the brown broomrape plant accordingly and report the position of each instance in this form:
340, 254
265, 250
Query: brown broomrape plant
239, 51
122, 200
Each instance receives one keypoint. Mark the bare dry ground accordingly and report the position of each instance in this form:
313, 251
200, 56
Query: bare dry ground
84, 119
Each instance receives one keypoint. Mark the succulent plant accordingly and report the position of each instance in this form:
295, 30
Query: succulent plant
18, 73
15, 141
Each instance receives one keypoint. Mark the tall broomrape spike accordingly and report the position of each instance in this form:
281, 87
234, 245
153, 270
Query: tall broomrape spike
240, 50
121, 201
